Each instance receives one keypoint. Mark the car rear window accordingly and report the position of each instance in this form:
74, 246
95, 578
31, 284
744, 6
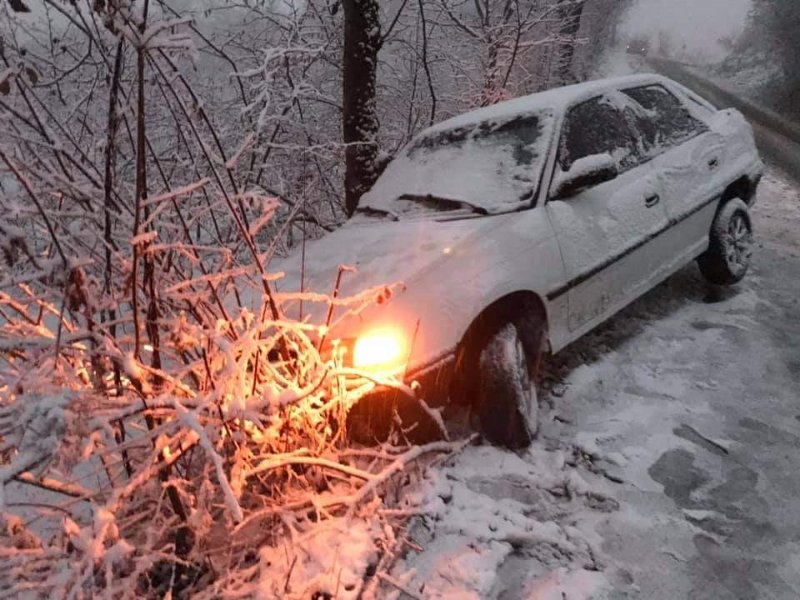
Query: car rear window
665, 121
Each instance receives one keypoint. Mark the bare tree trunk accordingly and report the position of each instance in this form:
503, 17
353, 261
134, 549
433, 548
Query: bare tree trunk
362, 41
490, 94
570, 16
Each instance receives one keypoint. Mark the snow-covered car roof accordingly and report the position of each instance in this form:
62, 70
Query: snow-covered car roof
549, 99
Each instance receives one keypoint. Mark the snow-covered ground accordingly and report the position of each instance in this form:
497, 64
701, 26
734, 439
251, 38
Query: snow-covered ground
668, 464
755, 76
752, 78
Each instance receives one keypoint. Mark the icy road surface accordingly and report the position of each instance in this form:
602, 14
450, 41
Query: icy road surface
669, 461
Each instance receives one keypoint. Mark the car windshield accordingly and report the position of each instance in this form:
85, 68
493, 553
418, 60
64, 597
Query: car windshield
486, 167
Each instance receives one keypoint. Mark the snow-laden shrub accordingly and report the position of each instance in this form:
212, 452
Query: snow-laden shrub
121, 478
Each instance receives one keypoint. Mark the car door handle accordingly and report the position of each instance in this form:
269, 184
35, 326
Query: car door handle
713, 163
652, 201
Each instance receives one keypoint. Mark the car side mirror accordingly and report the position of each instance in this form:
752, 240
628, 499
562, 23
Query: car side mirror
585, 173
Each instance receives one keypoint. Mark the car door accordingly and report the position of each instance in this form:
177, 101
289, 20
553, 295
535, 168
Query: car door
603, 231
686, 157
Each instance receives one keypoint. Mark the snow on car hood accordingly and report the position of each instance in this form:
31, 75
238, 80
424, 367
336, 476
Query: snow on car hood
382, 253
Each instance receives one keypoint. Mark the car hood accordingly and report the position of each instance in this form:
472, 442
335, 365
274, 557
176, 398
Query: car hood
382, 253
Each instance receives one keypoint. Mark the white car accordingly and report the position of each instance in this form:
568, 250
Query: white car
518, 228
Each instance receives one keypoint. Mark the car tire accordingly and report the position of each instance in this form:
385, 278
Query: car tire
507, 405
727, 259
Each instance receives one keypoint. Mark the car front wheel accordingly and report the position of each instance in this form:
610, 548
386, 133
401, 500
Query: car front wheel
730, 245
507, 404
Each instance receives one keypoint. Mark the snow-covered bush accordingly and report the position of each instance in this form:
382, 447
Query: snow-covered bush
187, 477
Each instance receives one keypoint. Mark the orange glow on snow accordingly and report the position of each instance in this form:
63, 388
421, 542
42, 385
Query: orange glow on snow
384, 349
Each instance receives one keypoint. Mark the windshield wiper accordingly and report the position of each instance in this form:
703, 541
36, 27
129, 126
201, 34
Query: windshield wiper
444, 203
377, 212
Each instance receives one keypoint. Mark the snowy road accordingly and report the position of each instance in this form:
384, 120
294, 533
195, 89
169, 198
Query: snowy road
668, 465
777, 139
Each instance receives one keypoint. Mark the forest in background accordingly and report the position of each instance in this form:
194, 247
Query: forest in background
765, 59
284, 72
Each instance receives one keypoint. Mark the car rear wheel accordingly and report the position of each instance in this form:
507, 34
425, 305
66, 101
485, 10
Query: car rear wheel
727, 259
507, 405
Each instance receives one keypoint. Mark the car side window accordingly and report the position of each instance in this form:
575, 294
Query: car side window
664, 122
597, 126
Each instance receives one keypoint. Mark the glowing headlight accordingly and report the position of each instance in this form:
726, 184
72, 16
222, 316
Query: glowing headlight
385, 349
